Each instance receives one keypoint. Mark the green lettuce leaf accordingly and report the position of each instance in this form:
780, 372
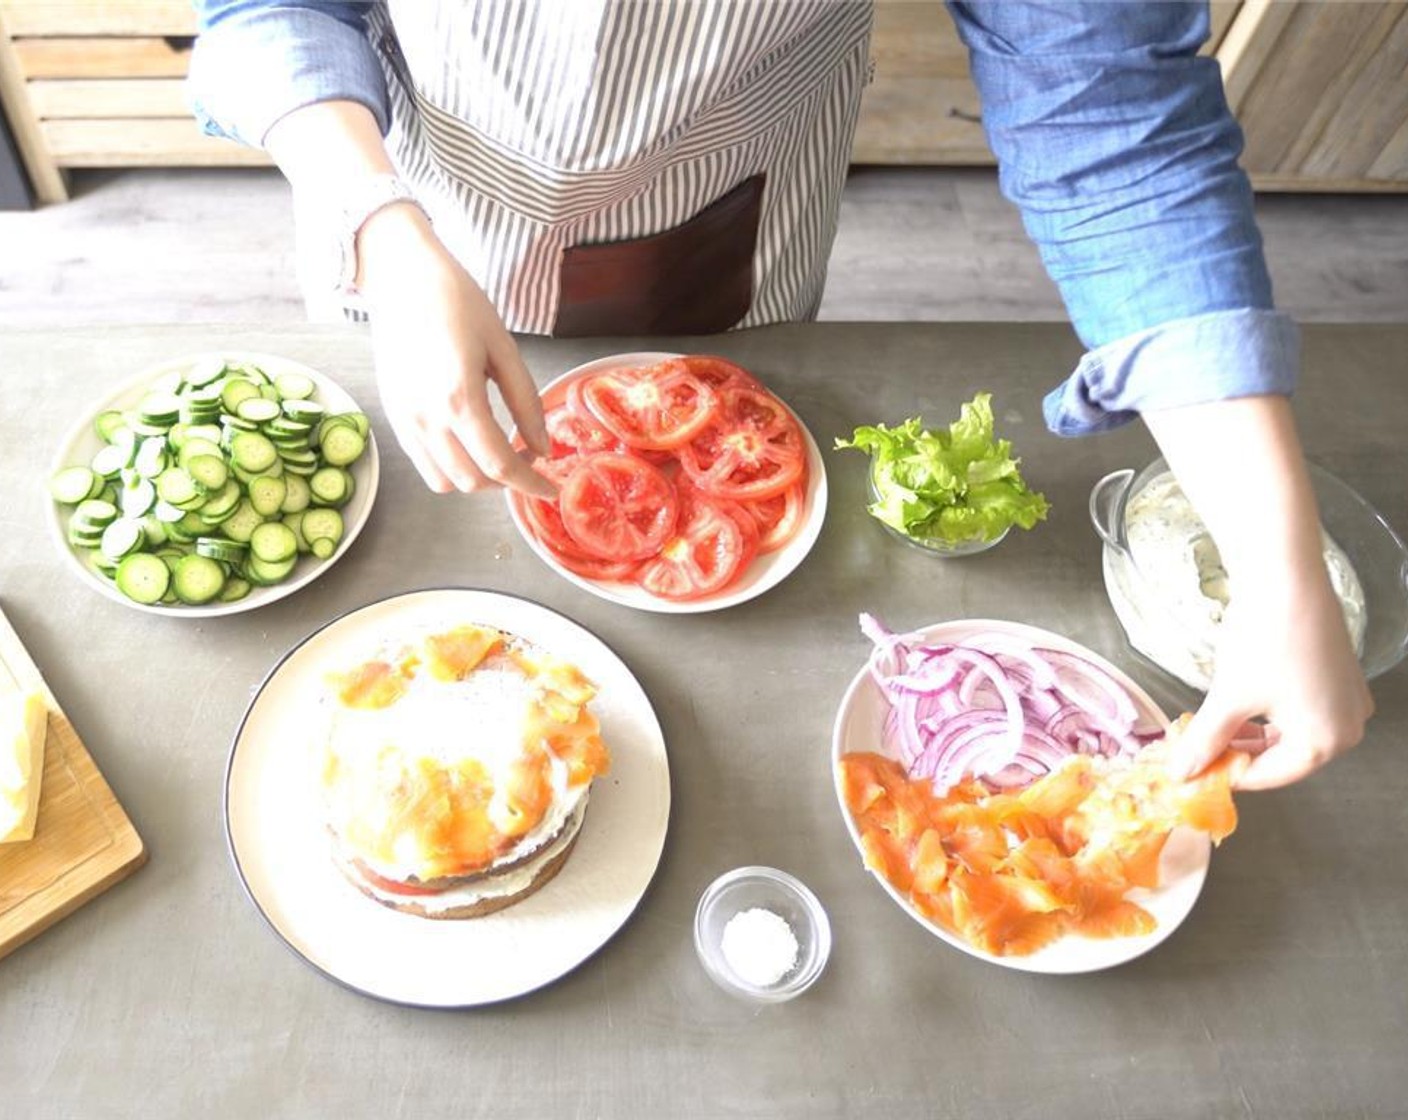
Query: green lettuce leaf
956, 485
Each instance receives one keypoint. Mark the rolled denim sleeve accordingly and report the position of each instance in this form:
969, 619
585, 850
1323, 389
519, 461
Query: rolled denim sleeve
255, 61
1114, 138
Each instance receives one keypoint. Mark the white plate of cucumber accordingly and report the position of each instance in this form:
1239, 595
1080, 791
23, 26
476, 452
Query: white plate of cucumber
213, 484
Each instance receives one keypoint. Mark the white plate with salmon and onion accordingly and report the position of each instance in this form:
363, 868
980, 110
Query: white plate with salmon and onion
1007, 788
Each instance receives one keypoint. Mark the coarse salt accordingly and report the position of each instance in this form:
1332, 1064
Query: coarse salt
759, 946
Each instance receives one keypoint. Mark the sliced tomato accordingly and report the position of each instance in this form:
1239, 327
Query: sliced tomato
543, 516
393, 886
544, 520
652, 408
556, 469
747, 528
702, 558
607, 571
618, 507
752, 450
779, 517
574, 430
720, 373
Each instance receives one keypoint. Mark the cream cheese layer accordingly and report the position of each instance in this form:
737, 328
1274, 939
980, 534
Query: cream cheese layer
492, 886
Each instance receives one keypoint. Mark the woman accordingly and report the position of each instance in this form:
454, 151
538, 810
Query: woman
474, 167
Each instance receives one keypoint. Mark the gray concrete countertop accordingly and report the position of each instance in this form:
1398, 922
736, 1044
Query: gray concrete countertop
1285, 994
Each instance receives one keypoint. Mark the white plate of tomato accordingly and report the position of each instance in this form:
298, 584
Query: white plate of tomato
685, 484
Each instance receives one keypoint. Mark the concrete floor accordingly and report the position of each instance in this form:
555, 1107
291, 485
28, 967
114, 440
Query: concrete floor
914, 244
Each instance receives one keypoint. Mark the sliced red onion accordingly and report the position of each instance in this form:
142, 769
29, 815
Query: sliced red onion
1090, 687
996, 709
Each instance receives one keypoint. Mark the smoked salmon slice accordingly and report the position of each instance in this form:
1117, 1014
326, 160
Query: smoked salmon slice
1012, 872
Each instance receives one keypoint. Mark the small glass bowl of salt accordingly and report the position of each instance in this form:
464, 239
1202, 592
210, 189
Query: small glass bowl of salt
761, 934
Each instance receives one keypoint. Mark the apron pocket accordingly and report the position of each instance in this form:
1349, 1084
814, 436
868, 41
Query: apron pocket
694, 279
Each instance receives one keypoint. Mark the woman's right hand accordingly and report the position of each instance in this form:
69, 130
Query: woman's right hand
438, 343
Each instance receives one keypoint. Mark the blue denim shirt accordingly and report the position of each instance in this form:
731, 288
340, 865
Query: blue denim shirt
1112, 135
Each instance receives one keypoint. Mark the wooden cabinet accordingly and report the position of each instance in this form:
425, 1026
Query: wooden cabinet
1320, 89
100, 83
921, 105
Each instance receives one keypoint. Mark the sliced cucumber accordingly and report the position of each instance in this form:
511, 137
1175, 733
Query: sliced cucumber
209, 471
253, 452
72, 485
199, 376
329, 487
273, 542
257, 409
94, 513
266, 495
355, 420
166, 513
273, 470
138, 498
321, 525
235, 588
237, 389
301, 457
234, 423
84, 538
122, 538
208, 432
266, 573
295, 523
222, 503
215, 481
159, 410
297, 494
113, 459
197, 579
108, 423
240, 525
216, 548
294, 386
143, 577
103, 565
154, 530
151, 457
178, 488
342, 445
194, 446
287, 428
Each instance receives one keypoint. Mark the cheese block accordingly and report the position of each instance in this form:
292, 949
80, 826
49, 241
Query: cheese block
24, 721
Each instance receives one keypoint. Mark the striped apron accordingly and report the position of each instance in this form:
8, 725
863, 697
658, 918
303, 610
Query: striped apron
535, 130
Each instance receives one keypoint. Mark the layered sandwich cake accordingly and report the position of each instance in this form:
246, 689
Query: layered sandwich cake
457, 770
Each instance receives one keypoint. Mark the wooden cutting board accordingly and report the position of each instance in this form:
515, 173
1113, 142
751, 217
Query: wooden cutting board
83, 842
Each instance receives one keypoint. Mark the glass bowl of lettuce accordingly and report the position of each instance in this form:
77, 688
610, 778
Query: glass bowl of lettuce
950, 492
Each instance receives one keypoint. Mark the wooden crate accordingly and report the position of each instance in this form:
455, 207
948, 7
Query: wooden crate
100, 83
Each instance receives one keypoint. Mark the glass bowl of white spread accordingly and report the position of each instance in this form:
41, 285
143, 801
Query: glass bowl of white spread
1169, 589
761, 934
